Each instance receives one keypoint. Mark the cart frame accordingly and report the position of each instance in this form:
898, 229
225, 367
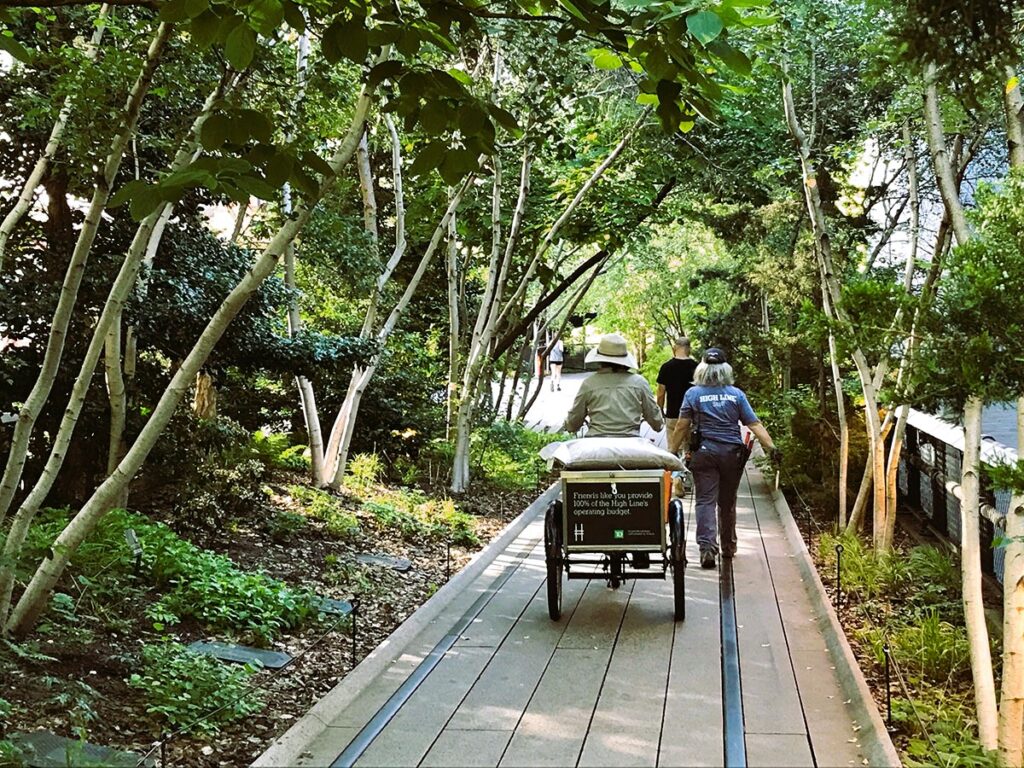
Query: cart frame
630, 516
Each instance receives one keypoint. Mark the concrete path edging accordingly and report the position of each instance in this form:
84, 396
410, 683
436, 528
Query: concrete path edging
288, 747
875, 738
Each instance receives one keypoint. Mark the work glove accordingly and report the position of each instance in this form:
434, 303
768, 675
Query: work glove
776, 457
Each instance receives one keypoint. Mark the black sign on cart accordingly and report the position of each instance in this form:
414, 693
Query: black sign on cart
614, 511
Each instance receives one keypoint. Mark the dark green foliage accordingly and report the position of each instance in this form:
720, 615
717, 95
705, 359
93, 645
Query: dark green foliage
976, 340
192, 275
194, 583
506, 453
181, 688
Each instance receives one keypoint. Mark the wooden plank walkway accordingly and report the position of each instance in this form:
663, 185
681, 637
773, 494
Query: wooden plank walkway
615, 682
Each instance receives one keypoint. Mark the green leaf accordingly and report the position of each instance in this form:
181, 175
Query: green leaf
294, 16
386, 70
145, 201
260, 127
435, 117
214, 132
457, 164
646, 98
257, 187
240, 47
174, 10
659, 66
345, 39
734, 58
304, 182
758, 21
461, 76
16, 49
194, 8
607, 60
278, 169
267, 15
315, 162
471, 120
506, 120
204, 29
428, 158
704, 25
125, 193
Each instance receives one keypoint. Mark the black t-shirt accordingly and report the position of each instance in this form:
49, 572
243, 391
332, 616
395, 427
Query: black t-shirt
676, 376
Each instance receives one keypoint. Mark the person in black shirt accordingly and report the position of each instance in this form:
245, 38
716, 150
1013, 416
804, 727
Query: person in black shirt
674, 378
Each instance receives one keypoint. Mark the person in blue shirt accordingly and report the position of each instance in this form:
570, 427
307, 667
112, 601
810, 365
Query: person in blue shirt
715, 408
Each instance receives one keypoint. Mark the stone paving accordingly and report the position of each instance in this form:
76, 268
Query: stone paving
490, 680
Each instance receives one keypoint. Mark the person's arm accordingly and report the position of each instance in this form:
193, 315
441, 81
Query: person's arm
661, 399
680, 435
651, 410
751, 422
577, 413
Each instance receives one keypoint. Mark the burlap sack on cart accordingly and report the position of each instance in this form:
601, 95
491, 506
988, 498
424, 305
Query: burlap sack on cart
588, 453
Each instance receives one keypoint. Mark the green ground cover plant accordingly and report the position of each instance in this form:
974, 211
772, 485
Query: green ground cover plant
340, 522
910, 600
181, 688
506, 454
192, 583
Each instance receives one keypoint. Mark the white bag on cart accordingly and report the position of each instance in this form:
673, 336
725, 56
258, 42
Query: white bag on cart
592, 453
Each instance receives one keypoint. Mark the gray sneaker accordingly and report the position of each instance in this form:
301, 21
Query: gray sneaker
707, 558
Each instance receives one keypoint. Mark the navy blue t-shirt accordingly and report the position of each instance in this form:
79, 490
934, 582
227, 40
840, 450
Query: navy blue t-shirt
717, 412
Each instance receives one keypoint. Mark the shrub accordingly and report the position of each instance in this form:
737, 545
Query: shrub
417, 516
283, 525
365, 469
224, 491
506, 453
340, 522
951, 729
274, 449
183, 688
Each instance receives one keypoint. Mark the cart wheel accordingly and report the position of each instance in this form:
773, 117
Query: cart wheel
553, 558
677, 543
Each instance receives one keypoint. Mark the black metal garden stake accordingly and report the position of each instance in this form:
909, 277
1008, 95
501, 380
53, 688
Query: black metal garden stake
355, 613
448, 561
888, 688
839, 577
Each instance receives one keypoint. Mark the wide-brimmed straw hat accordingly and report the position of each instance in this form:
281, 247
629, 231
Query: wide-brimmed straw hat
611, 349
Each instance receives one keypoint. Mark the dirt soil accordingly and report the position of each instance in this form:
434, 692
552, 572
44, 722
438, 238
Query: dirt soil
102, 653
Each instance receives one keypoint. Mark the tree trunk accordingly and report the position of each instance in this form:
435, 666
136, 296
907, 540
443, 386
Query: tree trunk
844, 429
36, 594
37, 398
42, 165
970, 560
454, 327
860, 505
143, 246
344, 424
204, 402
1011, 700
118, 402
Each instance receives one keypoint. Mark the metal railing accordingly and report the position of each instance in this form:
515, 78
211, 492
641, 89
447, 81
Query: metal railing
929, 481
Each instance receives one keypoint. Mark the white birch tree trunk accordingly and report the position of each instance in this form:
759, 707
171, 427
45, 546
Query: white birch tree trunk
970, 559
454, 327
307, 397
36, 594
142, 248
555, 228
344, 425
1011, 700
21, 207
37, 398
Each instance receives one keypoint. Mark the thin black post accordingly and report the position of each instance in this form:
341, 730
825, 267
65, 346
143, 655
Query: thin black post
888, 688
163, 753
448, 560
839, 577
355, 613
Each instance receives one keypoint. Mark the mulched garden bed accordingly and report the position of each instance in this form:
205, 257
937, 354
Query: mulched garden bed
101, 650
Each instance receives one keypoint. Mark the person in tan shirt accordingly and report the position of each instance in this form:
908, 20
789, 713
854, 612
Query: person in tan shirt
613, 400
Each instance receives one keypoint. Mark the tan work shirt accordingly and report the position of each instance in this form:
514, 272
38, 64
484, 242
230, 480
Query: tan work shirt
615, 402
